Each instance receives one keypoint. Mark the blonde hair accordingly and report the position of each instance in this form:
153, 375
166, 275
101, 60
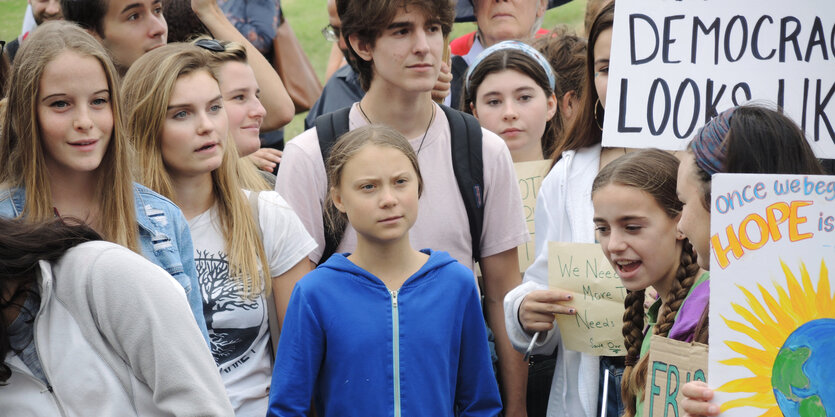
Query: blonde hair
21, 147
248, 172
147, 91
346, 147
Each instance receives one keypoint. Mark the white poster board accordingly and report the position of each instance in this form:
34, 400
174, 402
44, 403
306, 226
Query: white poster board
772, 310
676, 64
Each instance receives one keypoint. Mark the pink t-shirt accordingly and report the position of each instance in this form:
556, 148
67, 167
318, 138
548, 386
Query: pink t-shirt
442, 218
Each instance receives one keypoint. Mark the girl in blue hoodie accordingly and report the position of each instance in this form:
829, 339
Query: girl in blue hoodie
386, 330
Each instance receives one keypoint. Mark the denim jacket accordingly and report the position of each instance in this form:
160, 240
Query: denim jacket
164, 239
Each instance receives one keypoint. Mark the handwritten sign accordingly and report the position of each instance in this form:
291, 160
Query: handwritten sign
672, 364
598, 294
772, 309
676, 64
529, 175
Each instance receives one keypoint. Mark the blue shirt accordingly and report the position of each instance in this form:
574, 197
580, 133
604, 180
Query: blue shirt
257, 20
164, 239
342, 90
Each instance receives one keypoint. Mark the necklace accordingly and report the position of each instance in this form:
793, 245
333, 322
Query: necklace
425, 132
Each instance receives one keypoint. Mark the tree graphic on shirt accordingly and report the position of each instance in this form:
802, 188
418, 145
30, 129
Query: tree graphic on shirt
221, 293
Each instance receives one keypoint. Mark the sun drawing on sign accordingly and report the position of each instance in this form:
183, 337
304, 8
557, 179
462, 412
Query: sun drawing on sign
793, 365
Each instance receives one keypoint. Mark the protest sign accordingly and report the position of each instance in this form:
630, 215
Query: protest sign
676, 64
598, 294
772, 310
672, 364
530, 175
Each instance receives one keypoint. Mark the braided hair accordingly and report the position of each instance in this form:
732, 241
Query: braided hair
653, 171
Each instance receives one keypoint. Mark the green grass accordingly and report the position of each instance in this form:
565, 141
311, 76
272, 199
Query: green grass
307, 17
11, 17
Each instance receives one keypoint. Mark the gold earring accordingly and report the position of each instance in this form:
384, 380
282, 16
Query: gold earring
596, 118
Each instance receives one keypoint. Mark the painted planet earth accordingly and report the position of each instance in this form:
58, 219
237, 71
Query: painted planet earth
803, 374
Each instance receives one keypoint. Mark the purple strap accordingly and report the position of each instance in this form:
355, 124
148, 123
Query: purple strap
691, 312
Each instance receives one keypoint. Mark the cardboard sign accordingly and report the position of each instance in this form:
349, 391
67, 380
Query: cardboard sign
772, 309
676, 64
672, 364
598, 294
530, 175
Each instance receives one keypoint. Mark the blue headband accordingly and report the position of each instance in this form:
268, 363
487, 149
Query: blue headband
709, 144
518, 46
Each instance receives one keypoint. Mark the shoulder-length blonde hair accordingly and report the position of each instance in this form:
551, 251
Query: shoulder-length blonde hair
147, 91
22, 150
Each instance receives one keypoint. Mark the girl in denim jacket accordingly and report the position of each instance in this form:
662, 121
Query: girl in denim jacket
62, 140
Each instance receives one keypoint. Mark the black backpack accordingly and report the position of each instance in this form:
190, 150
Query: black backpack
465, 133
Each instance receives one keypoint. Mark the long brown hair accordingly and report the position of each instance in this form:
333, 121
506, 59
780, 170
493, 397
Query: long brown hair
654, 172
567, 54
147, 87
22, 150
584, 130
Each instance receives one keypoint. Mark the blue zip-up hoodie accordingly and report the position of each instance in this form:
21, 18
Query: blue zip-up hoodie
359, 349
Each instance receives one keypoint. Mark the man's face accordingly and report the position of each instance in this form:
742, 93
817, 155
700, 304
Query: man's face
501, 20
408, 53
132, 27
44, 10
333, 19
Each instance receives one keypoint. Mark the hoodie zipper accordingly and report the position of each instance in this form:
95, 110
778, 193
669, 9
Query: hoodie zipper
395, 338
45, 294
47, 386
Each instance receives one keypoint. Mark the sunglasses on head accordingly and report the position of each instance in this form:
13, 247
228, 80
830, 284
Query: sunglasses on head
210, 44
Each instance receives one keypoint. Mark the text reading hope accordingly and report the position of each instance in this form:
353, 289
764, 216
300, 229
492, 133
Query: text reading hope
779, 219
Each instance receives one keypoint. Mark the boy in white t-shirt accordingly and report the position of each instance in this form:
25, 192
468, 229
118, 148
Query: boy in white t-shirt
399, 49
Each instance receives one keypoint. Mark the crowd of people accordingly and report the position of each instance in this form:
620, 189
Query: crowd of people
153, 262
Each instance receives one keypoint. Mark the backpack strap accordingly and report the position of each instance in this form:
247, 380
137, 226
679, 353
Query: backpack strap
456, 87
468, 165
329, 127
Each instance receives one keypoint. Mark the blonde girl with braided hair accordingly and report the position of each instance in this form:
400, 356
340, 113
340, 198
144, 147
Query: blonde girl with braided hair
636, 212
245, 242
